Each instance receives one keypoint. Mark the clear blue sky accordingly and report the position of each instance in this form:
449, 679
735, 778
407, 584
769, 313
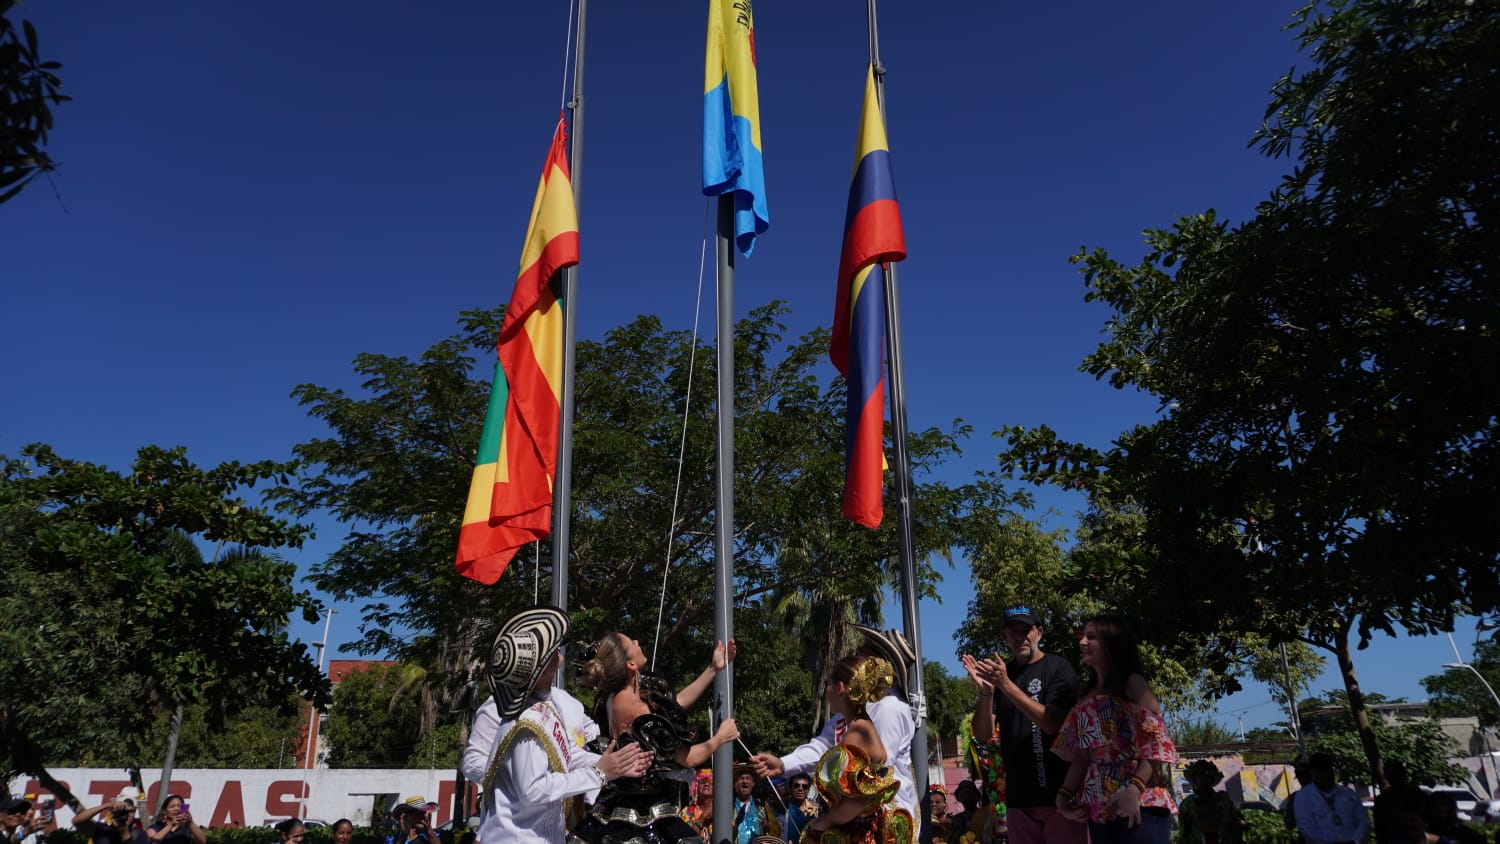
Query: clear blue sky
251, 194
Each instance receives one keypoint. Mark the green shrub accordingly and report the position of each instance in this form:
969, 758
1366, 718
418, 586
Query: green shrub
241, 835
1263, 827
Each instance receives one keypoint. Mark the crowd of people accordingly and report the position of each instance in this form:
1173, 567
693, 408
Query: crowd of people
29, 819
1062, 761
1324, 812
551, 772
1080, 765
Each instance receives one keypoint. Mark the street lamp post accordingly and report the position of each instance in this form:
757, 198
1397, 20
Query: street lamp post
1461, 664
313, 725
1487, 687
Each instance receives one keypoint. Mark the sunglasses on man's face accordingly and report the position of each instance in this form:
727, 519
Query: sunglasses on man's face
800, 785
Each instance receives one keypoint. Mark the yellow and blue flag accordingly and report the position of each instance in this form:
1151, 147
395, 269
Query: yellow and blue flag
873, 236
731, 119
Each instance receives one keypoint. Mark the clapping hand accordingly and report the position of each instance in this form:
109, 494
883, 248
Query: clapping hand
986, 673
627, 761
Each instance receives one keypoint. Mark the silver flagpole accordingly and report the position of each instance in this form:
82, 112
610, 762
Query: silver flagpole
723, 703
562, 483
910, 597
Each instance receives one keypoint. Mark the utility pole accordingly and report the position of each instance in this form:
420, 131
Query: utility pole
313, 715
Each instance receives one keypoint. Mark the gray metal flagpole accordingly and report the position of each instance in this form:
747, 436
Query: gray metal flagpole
562, 482
906, 537
723, 703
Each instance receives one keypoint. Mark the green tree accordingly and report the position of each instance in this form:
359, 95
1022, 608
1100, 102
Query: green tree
950, 701
1267, 735
262, 735
1202, 732
108, 620
1325, 464
397, 466
773, 689
1013, 561
369, 725
1420, 743
438, 748
258, 737
1302, 666
29, 89
1458, 693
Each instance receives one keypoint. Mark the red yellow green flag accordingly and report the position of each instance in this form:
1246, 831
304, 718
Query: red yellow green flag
510, 493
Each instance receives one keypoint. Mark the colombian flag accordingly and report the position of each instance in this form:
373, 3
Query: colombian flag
731, 119
510, 494
872, 237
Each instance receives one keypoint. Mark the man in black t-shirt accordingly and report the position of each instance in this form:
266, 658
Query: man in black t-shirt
112, 822
1028, 699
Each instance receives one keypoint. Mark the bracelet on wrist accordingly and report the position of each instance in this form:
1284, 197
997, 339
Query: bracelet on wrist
1140, 784
1064, 792
600, 771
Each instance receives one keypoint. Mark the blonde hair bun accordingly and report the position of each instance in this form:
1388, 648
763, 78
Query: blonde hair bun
872, 680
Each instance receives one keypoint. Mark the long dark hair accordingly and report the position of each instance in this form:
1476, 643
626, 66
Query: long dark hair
1122, 652
161, 814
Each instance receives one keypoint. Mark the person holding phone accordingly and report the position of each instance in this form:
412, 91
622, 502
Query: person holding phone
415, 826
112, 822
16, 820
174, 825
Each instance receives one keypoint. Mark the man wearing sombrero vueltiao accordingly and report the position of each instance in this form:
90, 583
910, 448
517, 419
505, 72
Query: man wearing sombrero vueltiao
524, 750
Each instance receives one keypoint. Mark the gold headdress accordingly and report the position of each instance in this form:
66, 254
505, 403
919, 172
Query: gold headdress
872, 679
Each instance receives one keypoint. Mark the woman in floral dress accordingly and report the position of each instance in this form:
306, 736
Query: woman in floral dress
1117, 745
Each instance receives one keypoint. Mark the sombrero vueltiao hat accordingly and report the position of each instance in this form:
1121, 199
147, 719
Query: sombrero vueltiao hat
523, 646
896, 650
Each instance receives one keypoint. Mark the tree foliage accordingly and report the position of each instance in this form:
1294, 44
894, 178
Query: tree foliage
1301, 667
113, 616
29, 88
1418, 742
1013, 562
397, 464
1325, 465
1202, 732
369, 725
1457, 692
950, 700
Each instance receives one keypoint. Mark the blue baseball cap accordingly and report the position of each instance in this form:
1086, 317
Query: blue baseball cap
1022, 614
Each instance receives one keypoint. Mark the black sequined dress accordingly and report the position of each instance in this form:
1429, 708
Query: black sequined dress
645, 810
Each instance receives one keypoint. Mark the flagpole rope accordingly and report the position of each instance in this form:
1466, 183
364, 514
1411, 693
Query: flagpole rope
536, 573
687, 404
567, 52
